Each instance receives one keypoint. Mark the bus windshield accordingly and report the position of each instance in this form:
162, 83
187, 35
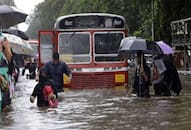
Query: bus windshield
74, 47
106, 46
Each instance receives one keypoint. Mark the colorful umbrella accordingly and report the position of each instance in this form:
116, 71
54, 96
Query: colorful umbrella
165, 47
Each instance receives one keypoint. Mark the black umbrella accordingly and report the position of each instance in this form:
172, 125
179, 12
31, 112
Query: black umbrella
138, 45
133, 45
16, 32
10, 16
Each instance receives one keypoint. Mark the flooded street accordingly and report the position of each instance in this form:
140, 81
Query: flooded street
98, 109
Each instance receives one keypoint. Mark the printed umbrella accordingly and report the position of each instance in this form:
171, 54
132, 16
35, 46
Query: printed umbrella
18, 45
10, 16
165, 47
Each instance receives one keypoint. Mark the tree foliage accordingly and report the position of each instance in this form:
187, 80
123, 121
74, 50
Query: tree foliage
7, 2
139, 14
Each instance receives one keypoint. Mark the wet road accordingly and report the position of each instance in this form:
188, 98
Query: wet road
98, 109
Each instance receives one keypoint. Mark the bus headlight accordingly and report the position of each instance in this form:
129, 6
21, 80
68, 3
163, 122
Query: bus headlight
66, 79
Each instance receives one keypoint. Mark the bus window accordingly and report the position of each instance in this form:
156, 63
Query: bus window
108, 23
46, 48
106, 46
90, 21
74, 47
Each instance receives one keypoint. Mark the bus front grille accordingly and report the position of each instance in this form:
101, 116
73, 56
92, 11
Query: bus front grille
92, 80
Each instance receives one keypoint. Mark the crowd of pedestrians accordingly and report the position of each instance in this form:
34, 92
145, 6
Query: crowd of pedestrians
50, 77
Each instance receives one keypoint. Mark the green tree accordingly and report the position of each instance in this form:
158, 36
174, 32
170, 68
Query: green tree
138, 14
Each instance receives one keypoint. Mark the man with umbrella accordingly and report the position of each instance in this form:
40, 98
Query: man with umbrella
142, 78
142, 75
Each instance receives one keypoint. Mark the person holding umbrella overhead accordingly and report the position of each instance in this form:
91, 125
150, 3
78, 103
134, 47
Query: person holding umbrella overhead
168, 79
140, 47
142, 77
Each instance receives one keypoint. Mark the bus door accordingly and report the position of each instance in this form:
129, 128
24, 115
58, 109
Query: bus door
47, 45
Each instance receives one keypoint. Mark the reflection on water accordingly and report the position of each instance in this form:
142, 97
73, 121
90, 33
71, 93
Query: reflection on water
98, 109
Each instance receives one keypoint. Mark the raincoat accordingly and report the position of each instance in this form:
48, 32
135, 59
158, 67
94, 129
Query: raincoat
168, 80
172, 77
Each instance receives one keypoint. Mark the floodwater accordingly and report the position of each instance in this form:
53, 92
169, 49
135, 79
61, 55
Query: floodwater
98, 109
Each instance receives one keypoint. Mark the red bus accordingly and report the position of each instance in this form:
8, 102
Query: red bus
88, 43
34, 45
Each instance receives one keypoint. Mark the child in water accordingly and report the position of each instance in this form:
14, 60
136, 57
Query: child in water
44, 91
49, 96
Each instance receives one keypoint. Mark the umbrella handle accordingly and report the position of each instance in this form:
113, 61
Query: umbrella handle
140, 76
141, 60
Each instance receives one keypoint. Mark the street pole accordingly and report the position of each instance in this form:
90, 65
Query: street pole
152, 26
